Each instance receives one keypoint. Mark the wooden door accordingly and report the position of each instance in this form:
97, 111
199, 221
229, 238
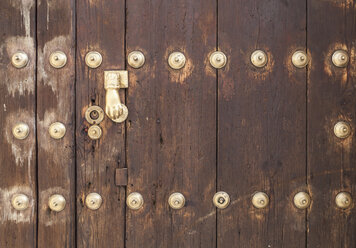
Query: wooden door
239, 137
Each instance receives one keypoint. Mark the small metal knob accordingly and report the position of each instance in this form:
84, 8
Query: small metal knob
58, 59
93, 201
57, 203
19, 60
302, 200
94, 115
176, 60
343, 200
176, 200
21, 131
221, 200
260, 200
57, 130
340, 58
300, 59
218, 59
94, 132
93, 59
20, 202
134, 201
259, 58
136, 59
342, 130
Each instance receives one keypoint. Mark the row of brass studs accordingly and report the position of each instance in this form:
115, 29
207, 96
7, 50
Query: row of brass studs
56, 130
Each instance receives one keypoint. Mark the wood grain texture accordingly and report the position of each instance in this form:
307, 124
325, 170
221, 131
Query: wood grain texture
17, 104
100, 27
55, 103
261, 123
171, 130
331, 98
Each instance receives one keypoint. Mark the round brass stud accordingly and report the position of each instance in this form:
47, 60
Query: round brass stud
94, 132
300, 59
136, 59
221, 200
260, 200
340, 58
94, 115
218, 59
20, 202
176, 60
134, 201
342, 130
93, 201
58, 59
57, 130
21, 131
176, 200
57, 203
343, 200
302, 200
93, 59
259, 58
19, 60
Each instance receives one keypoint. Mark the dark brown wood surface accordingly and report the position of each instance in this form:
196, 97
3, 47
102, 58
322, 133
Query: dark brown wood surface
331, 98
261, 123
100, 27
17, 104
171, 129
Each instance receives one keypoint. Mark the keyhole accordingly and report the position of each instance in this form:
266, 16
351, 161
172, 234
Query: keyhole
94, 114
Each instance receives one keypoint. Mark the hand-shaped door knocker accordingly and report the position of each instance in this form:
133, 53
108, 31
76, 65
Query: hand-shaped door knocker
114, 81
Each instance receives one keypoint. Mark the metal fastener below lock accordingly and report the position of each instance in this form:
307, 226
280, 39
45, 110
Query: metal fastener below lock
94, 132
21, 131
58, 59
342, 130
19, 60
93, 59
57, 130
94, 115
221, 200
134, 201
176, 200
259, 58
20, 202
300, 59
260, 200
176, 60
93, 201
57, 203
343, 200
136, 59
218, 59
302, 200
340, 58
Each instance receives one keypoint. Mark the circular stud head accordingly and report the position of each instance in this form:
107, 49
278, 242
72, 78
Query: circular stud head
19, 60
58, 59
136, 59
21, 131
57, 130
259, 58
260, 200
221, 200
218, 59
176, 60
342, 130
134, 201
94, 115
340, 58
343, 200
94, 132
57, 203
176, 200
300, 59
20, 202
302, 200
93, 201
93, 59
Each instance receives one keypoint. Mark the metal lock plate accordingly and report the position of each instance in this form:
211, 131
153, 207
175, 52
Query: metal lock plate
221, 200
176, 60
218, 59
21, 131
134, 201
93, 201
57, 203
302, 200
136, 59
340, 58
260, 200
58, 59
94, 115
57, 130
259, 58
93, 59
20, 202
342, 130
176, 200
343, 200
300, 59
19, 60
94, 132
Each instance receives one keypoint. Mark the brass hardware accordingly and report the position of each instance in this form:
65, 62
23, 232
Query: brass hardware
259, 58
57, 203
114, 81
93, 59
300, 59
343, 200
218, 59
221, 200
176, 60
136, 59
20, 202
260, 200
302, 200
57, 130
58, 59
340, 58
94, 132
134, 201
94, 115
93, 201
21, 131
19, 60
176, 200
342, 130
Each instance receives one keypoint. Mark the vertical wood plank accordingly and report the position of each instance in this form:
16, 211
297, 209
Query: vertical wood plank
101, 28
331, 98
17, 104
56, 99
261, 123
171, 130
